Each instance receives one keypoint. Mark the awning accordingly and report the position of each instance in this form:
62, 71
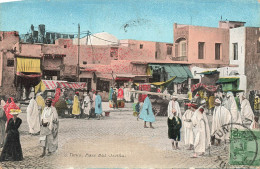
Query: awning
209, 72
53, 84
163, 83
50, 84
46, 85
28, 65
180, 71
71, 85
28, 76
123, 79
227, 80
179, 80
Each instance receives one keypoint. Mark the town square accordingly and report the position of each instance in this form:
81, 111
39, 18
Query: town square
129, 84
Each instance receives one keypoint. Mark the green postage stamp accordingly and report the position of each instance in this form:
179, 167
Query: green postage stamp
244, 147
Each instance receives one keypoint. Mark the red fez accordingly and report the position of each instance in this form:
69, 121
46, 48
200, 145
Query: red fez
193, 105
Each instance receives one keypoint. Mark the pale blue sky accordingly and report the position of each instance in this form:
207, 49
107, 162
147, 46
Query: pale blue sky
147, 19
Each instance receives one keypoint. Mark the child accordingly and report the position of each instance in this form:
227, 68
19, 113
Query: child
136, 109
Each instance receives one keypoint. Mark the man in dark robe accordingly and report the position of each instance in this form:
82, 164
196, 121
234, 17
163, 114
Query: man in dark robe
174, 129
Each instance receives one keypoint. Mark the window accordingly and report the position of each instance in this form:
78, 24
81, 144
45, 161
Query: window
10, 63
65, 46
183, 48
141, 46
235, 51
258, 46
156, 55
217, 51
169, 50
201, 50
176, 50
114, 53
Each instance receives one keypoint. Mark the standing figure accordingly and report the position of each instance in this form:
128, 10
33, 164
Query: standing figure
202, 137
246, 110
12, 149
98, 105
61, 106
187, 124
7, 108
174, 106
111, 91
174, 127
114, 97
76, 106
211, 103
49, 129
94, 98
87, 104
137, 109
233, 109
2, 126
69, 105
147, 112
120, 94
33, 117
221, 117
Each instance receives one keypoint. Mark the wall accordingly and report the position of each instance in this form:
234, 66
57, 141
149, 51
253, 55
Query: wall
130, 50
252, 61
210, 36
8, 40
31, 50
237, 35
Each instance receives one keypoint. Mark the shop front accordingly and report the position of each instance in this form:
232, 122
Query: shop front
28, 74
164, 72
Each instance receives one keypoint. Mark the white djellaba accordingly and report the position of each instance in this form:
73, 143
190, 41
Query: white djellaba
202, 132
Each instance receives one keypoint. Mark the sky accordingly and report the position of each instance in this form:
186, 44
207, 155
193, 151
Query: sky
150, 20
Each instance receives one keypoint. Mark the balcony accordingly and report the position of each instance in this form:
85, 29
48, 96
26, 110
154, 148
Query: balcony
180, 58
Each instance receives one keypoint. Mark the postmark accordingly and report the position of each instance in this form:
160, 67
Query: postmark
243, 145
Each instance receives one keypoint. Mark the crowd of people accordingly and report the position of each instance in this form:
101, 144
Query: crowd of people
43, 119
197, 134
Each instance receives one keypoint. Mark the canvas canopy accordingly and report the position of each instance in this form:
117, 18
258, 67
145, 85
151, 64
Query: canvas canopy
53, 84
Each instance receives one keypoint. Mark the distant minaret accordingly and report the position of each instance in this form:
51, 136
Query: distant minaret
221, 18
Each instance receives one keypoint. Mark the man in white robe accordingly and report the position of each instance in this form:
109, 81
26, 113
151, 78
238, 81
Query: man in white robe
187, 123
220, 123
49, 129
202, 136
127, 94
86, 106
232, 108
33, 117
246, 110
174, 106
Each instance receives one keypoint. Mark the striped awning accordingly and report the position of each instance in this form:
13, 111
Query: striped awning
71, 85
50, 84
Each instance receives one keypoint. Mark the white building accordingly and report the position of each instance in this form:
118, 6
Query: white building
102, 39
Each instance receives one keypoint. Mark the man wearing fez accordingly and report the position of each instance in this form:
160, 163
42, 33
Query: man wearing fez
49, 128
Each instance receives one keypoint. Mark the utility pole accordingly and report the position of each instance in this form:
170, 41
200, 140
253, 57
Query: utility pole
78, 69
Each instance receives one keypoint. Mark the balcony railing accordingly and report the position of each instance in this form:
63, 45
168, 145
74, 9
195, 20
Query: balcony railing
180, 58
